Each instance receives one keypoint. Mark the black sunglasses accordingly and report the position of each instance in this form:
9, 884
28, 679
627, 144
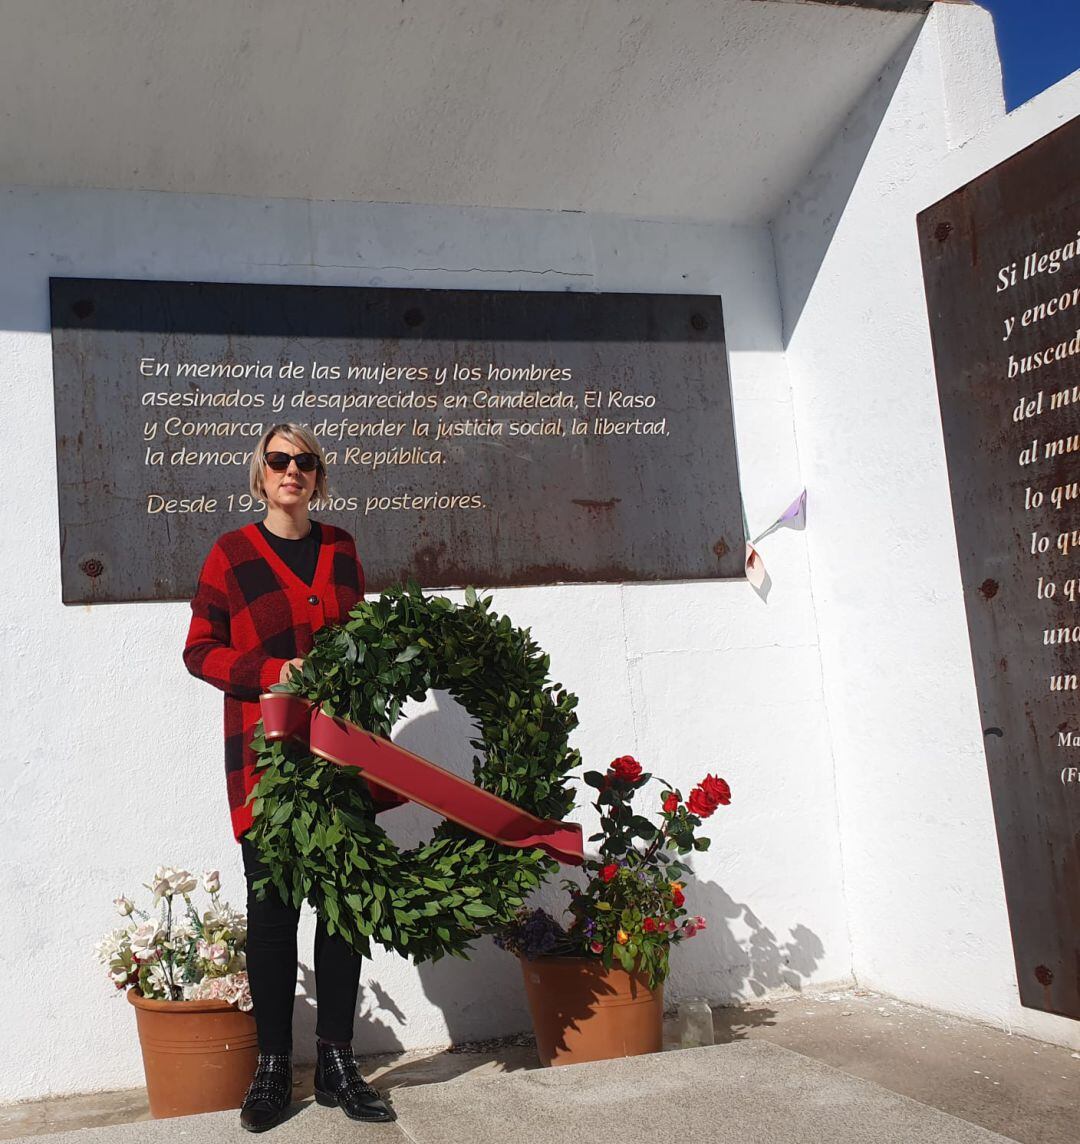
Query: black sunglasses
279, 462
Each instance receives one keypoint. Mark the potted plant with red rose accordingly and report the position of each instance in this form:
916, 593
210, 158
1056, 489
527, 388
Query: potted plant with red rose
595, 985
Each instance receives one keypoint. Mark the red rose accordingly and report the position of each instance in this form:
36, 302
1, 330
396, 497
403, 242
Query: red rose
609, 872
718, 788
678, 897
710, 793
671, 802
650, 925
700, 804
627, 768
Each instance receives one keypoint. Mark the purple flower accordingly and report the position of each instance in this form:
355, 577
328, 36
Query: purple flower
534, 934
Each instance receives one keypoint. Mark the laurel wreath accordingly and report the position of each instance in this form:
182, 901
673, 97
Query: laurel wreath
314, 822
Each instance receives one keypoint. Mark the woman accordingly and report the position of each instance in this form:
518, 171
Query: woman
263, 592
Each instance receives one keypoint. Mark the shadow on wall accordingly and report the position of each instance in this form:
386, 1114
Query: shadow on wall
375, 1028
804, 230
738, 956
478, 998
735, 958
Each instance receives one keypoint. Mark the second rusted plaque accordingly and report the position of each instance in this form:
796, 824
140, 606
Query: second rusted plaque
1001, 259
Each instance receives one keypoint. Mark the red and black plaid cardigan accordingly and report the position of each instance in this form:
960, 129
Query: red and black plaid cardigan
250, 615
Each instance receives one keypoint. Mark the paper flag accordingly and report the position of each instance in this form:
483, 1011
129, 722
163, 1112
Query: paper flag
794, 516
795, 513
755, 567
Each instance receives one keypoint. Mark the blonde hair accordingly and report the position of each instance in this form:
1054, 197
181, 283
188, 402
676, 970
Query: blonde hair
304, 440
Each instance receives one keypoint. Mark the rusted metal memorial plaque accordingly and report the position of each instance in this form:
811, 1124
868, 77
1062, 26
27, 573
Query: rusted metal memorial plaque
1001, 259
472, 437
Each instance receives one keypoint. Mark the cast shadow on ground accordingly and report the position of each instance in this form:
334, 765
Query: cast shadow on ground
736, 957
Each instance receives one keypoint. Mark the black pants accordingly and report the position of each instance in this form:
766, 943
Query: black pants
271, 966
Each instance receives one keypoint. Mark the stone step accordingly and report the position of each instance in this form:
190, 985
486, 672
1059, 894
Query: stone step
743, 1093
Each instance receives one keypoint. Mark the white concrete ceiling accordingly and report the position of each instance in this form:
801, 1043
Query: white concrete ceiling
681, 108
880, 5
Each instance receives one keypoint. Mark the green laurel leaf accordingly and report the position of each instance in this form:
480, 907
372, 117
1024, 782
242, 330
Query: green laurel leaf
314, 823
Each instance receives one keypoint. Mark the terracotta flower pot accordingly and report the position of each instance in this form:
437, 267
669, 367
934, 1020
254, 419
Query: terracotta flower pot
584, 1012
198, 1056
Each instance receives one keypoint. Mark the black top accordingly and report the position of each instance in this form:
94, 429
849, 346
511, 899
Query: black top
301, 555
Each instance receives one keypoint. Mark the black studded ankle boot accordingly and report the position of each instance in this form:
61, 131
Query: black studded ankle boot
338, 1082
269, 1094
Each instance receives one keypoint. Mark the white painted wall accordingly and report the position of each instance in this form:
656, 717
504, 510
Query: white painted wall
921, 864
113, 760
114, 756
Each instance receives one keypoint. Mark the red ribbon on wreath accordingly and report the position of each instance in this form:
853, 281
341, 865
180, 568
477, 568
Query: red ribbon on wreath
397, 776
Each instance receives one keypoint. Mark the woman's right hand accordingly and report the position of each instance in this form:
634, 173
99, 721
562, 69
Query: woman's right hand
286, 669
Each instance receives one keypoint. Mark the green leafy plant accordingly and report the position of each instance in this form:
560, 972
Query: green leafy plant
632, 908
314, 822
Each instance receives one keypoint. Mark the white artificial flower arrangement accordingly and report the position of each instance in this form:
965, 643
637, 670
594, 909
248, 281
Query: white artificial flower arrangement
178, 954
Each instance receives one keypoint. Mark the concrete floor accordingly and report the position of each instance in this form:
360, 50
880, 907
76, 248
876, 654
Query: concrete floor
1021, 1089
